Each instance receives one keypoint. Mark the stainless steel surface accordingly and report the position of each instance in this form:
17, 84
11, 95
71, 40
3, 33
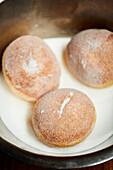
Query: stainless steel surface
57, 163
48, 18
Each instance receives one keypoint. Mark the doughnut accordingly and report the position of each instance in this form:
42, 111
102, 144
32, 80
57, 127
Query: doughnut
63, 117
89, 57
30, 68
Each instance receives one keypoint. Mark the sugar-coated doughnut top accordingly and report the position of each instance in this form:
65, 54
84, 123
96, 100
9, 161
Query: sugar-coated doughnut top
90, 57
31, 66
64, 117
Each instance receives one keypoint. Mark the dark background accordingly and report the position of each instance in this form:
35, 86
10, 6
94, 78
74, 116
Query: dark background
8, 163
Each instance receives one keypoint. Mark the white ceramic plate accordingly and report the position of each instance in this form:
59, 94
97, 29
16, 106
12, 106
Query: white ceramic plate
16, 113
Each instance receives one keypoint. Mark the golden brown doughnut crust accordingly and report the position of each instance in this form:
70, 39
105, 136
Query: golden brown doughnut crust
30, 68
90, 57
63, 117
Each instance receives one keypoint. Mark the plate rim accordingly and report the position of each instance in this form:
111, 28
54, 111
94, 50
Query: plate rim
42, 161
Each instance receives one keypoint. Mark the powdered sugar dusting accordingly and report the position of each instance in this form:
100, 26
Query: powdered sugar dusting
71, 94
6, 67
62, 107
71, 56
93, 43
64, 103
23, 50
50, 75
42, 111
18, 86
21, 56
31, 67
84, 63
